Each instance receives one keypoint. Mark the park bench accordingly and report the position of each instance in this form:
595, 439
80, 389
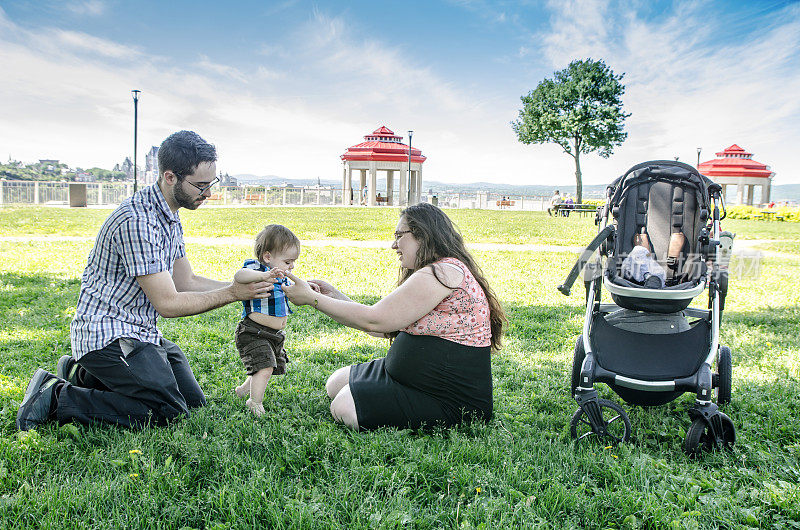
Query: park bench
381, 199
564, 209
583, 209
254, 197
503, 204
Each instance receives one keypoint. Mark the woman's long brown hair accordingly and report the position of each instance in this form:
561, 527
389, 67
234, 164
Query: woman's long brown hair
439, 238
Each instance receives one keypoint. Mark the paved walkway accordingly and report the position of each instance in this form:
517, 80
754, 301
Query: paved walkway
740, 246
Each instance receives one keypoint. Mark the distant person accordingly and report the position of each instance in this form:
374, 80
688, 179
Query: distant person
259, 335
568, 205
555, 204
771, 204
122, 370
378, 199
364, 196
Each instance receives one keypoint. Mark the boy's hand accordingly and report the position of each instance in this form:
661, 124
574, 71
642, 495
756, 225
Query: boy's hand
272, 275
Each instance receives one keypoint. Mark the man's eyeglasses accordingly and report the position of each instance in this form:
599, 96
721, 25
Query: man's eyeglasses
400, 233
203, 189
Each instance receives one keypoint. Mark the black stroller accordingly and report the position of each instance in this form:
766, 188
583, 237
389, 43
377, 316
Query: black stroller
649, 346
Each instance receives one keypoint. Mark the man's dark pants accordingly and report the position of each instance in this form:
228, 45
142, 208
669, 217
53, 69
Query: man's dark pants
150, 385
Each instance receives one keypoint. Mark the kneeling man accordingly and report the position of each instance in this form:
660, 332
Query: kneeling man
122, 370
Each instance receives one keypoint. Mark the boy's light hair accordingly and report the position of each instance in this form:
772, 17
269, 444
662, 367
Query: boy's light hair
274, 238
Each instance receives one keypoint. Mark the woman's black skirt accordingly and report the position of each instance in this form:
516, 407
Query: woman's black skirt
423, 381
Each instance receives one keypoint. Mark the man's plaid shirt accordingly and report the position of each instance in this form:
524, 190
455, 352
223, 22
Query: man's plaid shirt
142, 236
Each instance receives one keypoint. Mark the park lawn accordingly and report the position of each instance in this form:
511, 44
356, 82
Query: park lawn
360, 224
220, 468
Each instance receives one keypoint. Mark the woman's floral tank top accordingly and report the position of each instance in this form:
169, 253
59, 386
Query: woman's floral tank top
462, 317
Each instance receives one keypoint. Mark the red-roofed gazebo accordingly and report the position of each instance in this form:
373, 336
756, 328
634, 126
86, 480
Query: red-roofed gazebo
736, 167
382, 151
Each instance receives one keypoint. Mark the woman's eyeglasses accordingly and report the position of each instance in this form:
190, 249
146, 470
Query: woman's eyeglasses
400, 233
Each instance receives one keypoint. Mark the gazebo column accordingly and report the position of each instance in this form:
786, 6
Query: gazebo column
373, 177
765, 191
389, 186
401, 200
419, 184
345, 186
414, 192
740, 193
362, 181
750, 188
351, 195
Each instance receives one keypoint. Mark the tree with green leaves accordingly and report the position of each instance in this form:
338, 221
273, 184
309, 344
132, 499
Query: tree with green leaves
580, 109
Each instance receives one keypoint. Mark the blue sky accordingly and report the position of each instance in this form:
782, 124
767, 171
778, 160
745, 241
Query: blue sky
283, 88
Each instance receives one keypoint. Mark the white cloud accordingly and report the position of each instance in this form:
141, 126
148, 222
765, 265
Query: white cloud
223, 70
83, 43
86, 7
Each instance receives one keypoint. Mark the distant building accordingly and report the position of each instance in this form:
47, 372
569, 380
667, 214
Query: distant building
151, 166
735, 167
49, 165
382, 151
127, 168
227, 180
82, 176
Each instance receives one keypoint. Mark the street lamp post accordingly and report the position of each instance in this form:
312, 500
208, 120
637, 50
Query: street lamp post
135, 131
698, 156
410, 134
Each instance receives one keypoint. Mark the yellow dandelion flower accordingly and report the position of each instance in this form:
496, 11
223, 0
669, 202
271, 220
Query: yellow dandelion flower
133, 475
615, 456
477, 490
134, 452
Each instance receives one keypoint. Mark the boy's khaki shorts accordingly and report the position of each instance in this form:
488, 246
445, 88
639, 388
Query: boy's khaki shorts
260, 347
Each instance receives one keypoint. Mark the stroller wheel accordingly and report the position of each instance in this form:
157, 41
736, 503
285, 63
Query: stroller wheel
725, 373
577, 364
615, 420
700, 438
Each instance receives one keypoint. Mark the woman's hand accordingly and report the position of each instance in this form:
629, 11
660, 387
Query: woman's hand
327, 289
301, 292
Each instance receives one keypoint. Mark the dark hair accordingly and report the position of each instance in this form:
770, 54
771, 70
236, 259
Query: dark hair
274, 238
439, 238
182, 152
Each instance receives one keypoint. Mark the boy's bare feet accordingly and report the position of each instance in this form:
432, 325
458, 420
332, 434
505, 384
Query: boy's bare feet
243, 390
256, 408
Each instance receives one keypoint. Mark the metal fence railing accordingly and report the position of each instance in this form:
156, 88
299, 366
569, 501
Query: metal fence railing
17, 192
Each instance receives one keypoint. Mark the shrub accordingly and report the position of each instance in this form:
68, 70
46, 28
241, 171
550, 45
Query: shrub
751, 212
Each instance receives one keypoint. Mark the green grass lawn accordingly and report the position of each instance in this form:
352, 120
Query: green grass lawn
295, 468
359, 224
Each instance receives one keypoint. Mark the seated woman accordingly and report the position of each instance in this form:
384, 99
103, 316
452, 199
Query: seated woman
444, 321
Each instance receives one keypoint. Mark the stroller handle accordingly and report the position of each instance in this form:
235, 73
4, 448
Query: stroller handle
584, 258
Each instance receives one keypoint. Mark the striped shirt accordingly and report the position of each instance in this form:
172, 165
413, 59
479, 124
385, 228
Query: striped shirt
276, 305
142, 236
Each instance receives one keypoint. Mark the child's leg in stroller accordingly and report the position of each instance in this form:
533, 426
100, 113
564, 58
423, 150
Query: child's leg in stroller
676, 244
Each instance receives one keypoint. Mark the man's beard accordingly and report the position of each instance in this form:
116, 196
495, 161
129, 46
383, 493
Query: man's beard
183, 199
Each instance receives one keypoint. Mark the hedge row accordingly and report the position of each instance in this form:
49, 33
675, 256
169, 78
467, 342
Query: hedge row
751, 212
